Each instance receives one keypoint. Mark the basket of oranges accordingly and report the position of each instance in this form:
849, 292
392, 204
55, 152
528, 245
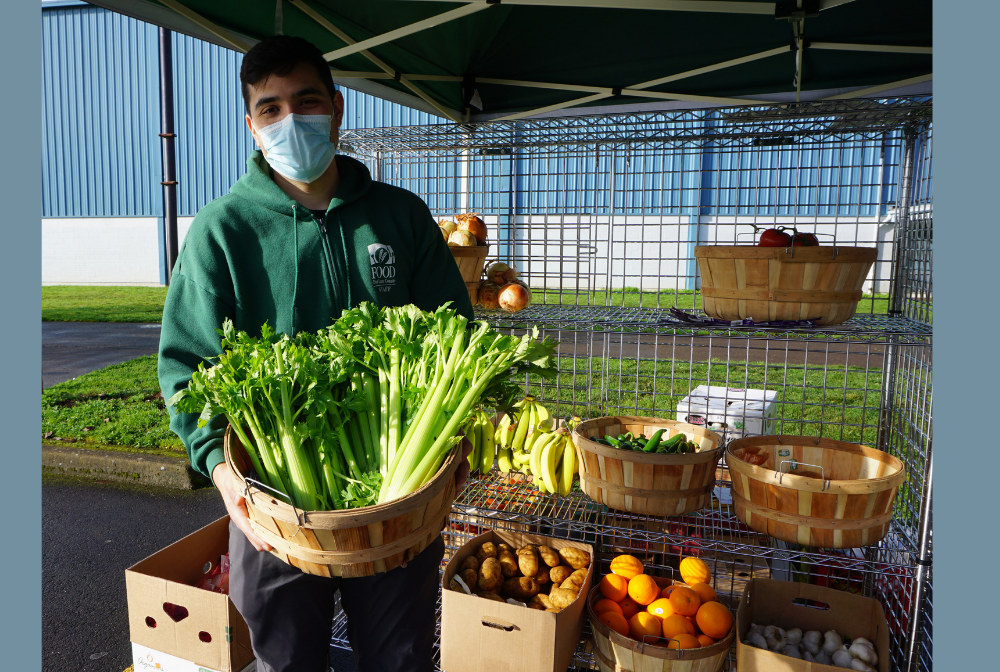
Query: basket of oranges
647, 623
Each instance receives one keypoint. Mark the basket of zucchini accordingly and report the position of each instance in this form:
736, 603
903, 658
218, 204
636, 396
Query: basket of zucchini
648, 466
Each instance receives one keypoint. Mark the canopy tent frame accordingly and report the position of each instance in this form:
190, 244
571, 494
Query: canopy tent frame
385, 80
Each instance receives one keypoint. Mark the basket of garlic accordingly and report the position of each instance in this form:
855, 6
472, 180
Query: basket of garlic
799, 627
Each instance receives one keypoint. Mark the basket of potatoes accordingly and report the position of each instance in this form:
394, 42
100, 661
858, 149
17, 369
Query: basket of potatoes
519, 595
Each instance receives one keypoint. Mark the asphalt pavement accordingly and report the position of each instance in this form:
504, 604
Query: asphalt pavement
71, 349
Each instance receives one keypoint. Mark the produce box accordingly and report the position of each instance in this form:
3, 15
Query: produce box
768, 602
480, 635
729, 411
145, 658
170, 617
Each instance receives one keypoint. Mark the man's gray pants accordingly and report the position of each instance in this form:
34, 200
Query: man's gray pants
390, 616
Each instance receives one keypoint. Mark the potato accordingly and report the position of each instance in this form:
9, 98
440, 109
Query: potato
490, 575
490, 596
574, 557
549, 556
560, 573
554, 610
572, 584
470, 563
471, 577
579, 575
487, 550
508, 564
562, 598
503, 547
527, 560
456, 586
521, 588
542, 599
535, 605
542, 577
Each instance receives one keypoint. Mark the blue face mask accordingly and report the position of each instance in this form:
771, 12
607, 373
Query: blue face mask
299, 146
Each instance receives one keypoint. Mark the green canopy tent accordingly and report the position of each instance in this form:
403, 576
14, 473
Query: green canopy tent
478, 60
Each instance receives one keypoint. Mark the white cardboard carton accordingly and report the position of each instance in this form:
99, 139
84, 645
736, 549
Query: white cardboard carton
729, 411
145, 659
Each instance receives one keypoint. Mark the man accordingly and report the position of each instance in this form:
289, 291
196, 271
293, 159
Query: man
304, 234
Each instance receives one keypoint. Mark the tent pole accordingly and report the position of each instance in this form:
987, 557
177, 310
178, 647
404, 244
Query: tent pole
167, 145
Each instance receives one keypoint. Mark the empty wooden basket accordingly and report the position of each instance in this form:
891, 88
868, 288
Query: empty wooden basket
351, 542
820, 283
814, 491
617, 653
655, 484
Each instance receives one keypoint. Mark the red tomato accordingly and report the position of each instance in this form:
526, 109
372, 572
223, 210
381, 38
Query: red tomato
774, 238
804, 240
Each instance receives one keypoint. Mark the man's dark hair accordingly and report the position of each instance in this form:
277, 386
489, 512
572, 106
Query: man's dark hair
278, 55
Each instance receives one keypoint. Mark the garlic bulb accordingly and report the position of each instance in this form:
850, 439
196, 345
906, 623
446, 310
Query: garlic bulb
791, 652
842, 658
775, 637
823, 659
811, 641
756, 639
832, 641
864, 651
793, 636
808, 657
862, 640
757, 628
861, 666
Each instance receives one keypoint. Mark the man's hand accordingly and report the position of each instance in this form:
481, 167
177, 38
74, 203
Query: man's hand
236, 504
462, 475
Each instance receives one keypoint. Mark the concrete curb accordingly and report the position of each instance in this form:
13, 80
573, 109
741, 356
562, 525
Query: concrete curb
166, 472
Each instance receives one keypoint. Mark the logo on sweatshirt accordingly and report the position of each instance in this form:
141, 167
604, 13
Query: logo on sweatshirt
383, 262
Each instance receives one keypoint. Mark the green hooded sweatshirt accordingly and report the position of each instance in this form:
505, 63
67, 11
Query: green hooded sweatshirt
257, 256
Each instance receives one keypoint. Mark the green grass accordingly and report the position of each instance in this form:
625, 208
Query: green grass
118, 407
838, 402
71, 303
685, 299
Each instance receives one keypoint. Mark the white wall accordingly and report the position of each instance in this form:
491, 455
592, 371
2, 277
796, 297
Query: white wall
103, 251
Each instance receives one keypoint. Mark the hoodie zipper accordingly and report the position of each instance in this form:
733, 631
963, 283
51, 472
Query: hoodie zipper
327, 250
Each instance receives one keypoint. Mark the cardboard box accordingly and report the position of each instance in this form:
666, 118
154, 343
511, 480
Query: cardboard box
146, 659
730, 412
160, 589
768, 602
480, 635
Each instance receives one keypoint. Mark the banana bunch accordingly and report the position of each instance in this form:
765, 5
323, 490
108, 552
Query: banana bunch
480, 432
533, 443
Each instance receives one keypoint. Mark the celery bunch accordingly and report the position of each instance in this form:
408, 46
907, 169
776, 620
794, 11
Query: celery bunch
365, 410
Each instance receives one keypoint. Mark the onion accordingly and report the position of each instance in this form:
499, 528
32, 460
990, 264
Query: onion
448, 226
474, 225
500, 273
444, 232
489, 295
514, 297
462, 239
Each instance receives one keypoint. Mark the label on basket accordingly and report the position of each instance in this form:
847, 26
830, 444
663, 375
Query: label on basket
784, 452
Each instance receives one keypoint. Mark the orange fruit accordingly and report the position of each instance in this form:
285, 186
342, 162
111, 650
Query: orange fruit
705, 592
629, 607
705, 640
694, 624
684, 642
684, 601
614, 621
614, 587
694, 570
627, 566
714, 620
643, 589
661, 608
607, 605
677, 625
644, 627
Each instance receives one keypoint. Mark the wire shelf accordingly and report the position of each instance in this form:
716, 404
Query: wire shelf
619, 319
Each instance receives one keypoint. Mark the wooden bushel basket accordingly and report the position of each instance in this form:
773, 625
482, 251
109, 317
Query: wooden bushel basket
471, 261
820, 283
351, 542
814, 491
617, 653
654, 484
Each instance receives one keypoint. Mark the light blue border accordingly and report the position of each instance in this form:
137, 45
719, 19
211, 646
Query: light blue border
20, 394
967, 244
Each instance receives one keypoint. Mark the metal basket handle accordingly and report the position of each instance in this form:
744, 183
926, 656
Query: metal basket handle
781, 474
299, 513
